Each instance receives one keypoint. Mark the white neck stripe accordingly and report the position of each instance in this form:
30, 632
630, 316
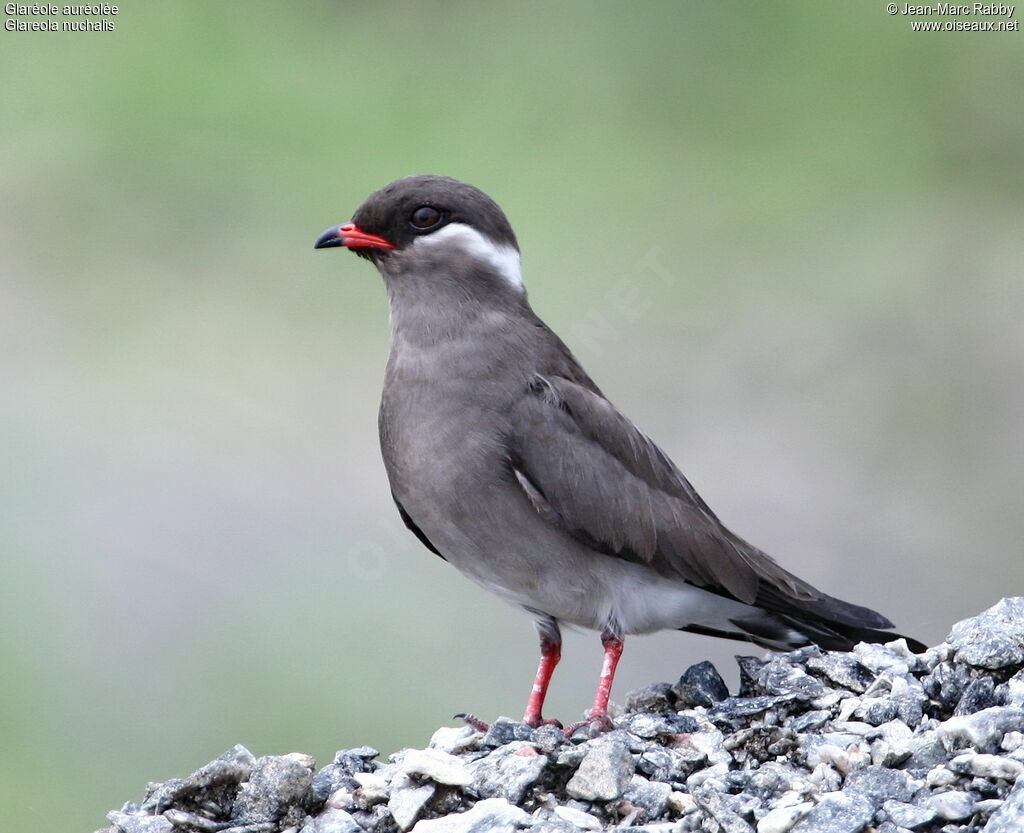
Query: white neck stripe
502, 259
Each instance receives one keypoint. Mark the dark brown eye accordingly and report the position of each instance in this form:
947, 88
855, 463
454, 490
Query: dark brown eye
426, 216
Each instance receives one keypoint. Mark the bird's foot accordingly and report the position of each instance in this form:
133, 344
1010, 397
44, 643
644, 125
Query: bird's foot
594, 725
474, 721
538, 721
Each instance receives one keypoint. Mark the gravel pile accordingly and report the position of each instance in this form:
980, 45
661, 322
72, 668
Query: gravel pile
878, 739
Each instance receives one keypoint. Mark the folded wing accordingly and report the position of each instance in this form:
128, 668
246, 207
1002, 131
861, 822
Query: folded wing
586, 468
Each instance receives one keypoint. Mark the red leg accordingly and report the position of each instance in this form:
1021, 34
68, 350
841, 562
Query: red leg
550, 653
598, 720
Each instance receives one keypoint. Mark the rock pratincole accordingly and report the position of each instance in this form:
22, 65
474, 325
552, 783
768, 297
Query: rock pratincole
506, 460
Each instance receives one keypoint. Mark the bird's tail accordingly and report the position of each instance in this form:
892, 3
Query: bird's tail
782, 623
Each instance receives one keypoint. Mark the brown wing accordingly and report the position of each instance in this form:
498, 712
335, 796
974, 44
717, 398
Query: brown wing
587, 468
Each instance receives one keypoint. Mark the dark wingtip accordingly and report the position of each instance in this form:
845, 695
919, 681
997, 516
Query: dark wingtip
914, 646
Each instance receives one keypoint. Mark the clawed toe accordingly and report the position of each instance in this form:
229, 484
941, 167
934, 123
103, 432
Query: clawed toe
537, 722
595, 726
474, 721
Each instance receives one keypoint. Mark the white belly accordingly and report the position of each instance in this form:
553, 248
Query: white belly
538, 567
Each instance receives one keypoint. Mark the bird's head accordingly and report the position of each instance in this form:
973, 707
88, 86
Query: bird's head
431, 224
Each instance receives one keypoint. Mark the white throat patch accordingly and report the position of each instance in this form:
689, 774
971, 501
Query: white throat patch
502, 259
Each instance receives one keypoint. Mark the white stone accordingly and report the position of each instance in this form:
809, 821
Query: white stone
952, 806
331, 820
987, 766
493, 815
408, 799
982, 730
1012, 741
940, 777
437, 766
782, 819
370, 780
584, 821
452, 739
681, 803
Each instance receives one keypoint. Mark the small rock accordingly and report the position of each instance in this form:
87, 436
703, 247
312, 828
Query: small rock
843, 670
946, 684
952, 806
1012, 691
878, 783
737, 708
331, 820
437, 766
988, 806
881, 658
893, 744
778, 779
578, 818
700, 685
906, 815
656, 763
506, 773
983, 730
657, 698
713, 775
604, 772
408, 799
987, 766
749, 667
979, 694
646, 725
708, 742
231, 768
680, 803
940, 776
372, 780
548, 738
276, 784
825, 777
650, 796
876, 711
710, 800
454, 739
779, 676
505, 730
1012, 741
782, 819
571, 756
992, 639
330, 780
193, 822
926, 752
491, 815
809, 721
371, 794
339, 773
820, 751
139, 823
837, 812
1007, 819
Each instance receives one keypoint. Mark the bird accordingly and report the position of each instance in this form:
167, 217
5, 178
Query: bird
505, 459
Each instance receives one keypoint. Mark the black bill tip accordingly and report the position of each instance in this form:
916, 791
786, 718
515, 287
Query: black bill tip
329, 239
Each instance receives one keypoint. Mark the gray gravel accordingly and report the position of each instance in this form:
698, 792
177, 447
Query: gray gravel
876, 740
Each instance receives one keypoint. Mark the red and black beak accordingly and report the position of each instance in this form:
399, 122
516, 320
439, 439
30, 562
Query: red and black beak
351, 237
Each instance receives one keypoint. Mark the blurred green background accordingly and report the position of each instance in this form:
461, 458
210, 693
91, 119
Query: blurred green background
785, 238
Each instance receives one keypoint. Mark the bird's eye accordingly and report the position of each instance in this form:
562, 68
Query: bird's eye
426, 216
